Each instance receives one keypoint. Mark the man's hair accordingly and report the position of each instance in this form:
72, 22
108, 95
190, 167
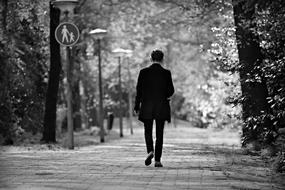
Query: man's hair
157, 55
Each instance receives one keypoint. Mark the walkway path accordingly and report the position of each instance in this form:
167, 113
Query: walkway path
193, 159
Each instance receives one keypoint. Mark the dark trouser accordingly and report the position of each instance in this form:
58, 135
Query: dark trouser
159, 137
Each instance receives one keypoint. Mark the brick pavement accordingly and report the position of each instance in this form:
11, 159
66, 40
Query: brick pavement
192, 158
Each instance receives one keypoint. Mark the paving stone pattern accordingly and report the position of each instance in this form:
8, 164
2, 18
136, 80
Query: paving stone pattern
192, 160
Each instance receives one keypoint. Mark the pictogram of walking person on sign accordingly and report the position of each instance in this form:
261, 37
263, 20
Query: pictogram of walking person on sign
67, 34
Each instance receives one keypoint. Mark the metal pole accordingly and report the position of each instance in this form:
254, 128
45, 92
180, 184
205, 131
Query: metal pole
130, 100
120, 99
101, 119
69, 98
83, 99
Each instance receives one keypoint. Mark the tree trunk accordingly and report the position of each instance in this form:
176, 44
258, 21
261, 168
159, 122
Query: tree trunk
250, 57
49, 131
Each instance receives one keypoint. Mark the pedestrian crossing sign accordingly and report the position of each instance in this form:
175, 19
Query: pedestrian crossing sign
66, 34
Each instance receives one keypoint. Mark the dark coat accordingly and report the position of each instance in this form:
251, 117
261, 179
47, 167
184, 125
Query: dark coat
154, 88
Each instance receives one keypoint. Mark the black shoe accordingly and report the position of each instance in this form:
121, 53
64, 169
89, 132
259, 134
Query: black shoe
158, 164
148, 159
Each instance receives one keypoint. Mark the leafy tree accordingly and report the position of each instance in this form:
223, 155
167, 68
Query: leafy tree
269, 20
253, 82
175, 27
24, 56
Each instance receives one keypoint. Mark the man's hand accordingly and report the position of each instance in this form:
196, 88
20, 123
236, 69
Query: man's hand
136, 110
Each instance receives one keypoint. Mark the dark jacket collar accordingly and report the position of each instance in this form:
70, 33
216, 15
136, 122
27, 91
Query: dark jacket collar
156, 64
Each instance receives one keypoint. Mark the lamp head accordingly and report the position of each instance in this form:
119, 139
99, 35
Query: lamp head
122, 52
65, 5
98, 33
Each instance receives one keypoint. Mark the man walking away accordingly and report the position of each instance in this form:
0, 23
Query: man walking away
154, 89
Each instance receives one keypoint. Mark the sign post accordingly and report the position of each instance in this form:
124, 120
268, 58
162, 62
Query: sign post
67, 34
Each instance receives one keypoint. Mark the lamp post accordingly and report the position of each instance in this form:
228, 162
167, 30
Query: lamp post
66, 7
130, 94
121, 52
98, 34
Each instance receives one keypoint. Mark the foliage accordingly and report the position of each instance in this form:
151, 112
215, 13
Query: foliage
183, 32
270, 28
23, 67
267, 24
198, 40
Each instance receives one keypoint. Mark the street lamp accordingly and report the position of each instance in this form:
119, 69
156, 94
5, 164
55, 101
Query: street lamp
98, 34
130, 94
122, 52
67, 6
